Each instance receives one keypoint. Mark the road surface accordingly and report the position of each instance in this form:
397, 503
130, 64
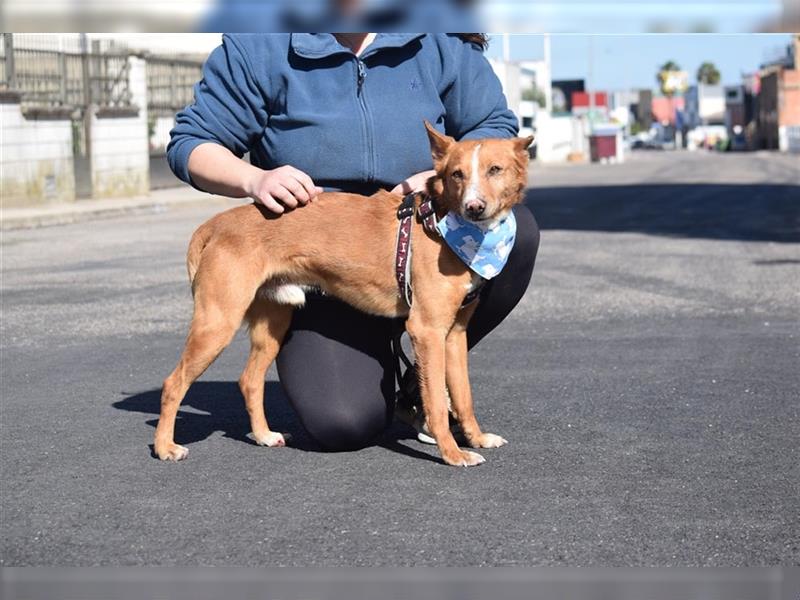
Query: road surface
647, 383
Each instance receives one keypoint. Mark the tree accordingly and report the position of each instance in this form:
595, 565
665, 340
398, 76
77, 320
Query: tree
708, 74
534, 94
663, 76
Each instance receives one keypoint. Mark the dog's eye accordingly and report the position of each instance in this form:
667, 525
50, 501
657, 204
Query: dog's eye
458, 175
495, 170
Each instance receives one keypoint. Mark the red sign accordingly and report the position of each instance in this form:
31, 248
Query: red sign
581, 99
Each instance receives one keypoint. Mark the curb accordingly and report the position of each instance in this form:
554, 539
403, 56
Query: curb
90, 210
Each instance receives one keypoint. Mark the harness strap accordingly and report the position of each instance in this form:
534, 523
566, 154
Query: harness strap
426, 214
402, 261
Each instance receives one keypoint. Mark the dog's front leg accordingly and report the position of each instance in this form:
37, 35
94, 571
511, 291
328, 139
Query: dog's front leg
429, 347
457, 375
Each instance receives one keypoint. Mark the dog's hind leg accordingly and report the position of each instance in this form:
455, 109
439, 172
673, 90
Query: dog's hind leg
457, 376
222, 295
268, 324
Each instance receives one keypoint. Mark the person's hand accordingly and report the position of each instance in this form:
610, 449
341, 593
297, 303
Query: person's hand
281, 188
415, 183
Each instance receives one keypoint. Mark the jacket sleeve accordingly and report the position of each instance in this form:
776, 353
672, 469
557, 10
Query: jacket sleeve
474, 101
229, 109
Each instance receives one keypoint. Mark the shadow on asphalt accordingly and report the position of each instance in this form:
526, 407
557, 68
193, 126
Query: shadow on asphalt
718, 212
218, 406
776, 262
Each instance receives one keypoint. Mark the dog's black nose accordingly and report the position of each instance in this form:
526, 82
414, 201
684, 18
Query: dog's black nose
474, 209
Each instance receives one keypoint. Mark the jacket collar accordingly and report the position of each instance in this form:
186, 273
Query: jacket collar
322, 45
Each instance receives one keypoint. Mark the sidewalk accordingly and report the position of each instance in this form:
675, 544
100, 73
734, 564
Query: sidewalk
85, 210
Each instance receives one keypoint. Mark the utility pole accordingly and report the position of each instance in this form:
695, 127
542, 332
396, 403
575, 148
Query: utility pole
548, 91
86, 73
11, 76
506, 47
590, 82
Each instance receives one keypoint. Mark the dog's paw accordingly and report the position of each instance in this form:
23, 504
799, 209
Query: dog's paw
489, 440
273, 439
173, 452
464, 458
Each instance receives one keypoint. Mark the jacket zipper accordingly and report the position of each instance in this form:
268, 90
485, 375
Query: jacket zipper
369, 167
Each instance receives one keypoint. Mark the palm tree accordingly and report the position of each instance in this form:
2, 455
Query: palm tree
708, 74
670, 82
663, 75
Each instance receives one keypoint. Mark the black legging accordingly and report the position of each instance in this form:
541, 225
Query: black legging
336, 364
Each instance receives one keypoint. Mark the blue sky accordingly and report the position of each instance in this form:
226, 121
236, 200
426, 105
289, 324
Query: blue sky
632, 16
630, 61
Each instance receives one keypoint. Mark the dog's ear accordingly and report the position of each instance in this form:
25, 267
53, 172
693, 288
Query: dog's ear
440, 146
522, 144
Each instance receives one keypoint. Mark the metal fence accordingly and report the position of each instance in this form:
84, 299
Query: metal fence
65, 73
68, 72
170, 83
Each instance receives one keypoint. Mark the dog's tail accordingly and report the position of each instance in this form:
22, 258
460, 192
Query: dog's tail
196, 246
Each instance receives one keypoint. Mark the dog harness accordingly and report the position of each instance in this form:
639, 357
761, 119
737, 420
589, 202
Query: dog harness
462, 247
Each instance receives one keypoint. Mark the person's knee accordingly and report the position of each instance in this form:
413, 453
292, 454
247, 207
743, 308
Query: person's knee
347, 431
527, 237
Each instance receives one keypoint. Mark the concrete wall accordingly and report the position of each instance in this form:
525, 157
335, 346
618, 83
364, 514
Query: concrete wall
35, 159
120, 160
160, 137
557, 137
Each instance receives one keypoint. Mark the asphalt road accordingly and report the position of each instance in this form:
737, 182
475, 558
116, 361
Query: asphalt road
648, 385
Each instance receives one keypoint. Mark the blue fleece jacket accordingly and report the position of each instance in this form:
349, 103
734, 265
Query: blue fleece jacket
352, 123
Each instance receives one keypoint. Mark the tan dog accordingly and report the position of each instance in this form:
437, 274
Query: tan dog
246, 264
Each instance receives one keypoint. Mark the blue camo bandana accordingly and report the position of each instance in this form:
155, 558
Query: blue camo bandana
483, 249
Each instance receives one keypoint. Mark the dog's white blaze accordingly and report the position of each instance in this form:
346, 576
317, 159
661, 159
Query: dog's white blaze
473, 191
286, 294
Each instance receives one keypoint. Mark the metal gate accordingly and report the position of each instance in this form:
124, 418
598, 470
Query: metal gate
170, 83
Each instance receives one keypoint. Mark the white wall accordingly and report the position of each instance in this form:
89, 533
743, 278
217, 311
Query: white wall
509, 76
789, 138
119, 145
538, 72
35, 159
160, 137
711, 102
557, 137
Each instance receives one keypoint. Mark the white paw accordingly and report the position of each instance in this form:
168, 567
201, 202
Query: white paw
273, 439
467, 459
491, 440
174, 453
